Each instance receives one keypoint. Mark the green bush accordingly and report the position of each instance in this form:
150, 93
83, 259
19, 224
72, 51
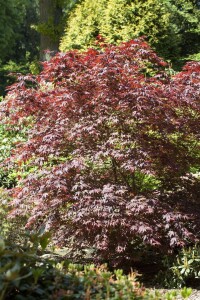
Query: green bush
10, 136
10, 69
182, 269
27, 273
12, 230
119, 21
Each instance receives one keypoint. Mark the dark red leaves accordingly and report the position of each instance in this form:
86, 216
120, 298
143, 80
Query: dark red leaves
112, 137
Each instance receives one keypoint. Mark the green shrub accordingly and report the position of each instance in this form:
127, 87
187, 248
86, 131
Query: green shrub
9, 70
12, 230
182, 269
27, 273
10, 136
195, 57
119, 21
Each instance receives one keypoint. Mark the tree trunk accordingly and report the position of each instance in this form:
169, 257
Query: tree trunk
49, 11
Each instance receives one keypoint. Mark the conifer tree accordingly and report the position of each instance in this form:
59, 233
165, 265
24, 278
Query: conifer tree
171, 27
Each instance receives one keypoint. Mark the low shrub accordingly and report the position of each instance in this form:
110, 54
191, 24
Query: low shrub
10, 229
181, 269
27, 273
10, 136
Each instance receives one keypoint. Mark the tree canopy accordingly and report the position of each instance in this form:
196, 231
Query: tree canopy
171, 27
16, 35
11, 17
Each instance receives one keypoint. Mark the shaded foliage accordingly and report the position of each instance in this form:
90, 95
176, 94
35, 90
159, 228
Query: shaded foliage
16, 36
19, 42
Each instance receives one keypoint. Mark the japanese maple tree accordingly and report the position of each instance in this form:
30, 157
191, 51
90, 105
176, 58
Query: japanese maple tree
113, 144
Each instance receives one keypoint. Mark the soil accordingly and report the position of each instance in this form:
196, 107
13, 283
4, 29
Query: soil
194, 296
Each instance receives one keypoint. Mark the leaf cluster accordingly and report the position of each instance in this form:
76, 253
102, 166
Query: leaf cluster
16, 35
181, 269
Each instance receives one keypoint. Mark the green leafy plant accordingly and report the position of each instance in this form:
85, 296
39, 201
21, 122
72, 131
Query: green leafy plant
26, 272
182, 269
10, 136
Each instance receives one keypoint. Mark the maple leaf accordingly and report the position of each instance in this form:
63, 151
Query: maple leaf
110, 148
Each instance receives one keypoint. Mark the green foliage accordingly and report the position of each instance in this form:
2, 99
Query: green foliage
18, 41
11, 16
195, 57
83, 25
125, 20
4, 225
27, 46
52, 24
115, 20
15, 20
21, 267
12, 230
172, 27
186, 16
9, 138
182, 269
26, 272
6, 78
35, 67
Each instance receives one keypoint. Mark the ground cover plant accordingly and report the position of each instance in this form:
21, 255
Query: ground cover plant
113, 152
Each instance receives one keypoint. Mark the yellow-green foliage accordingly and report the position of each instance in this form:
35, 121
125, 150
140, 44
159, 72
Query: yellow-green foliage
83, 25
127, 19
119, 20
167, 24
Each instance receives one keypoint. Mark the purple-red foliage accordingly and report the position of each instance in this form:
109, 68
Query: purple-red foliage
114, 138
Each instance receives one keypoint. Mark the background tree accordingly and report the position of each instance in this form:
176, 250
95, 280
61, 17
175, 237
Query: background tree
167, 24
83, 25
124, 20
50, 15
11, 18
53, 14
19, 42
16, 36
186, 16
27, 46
